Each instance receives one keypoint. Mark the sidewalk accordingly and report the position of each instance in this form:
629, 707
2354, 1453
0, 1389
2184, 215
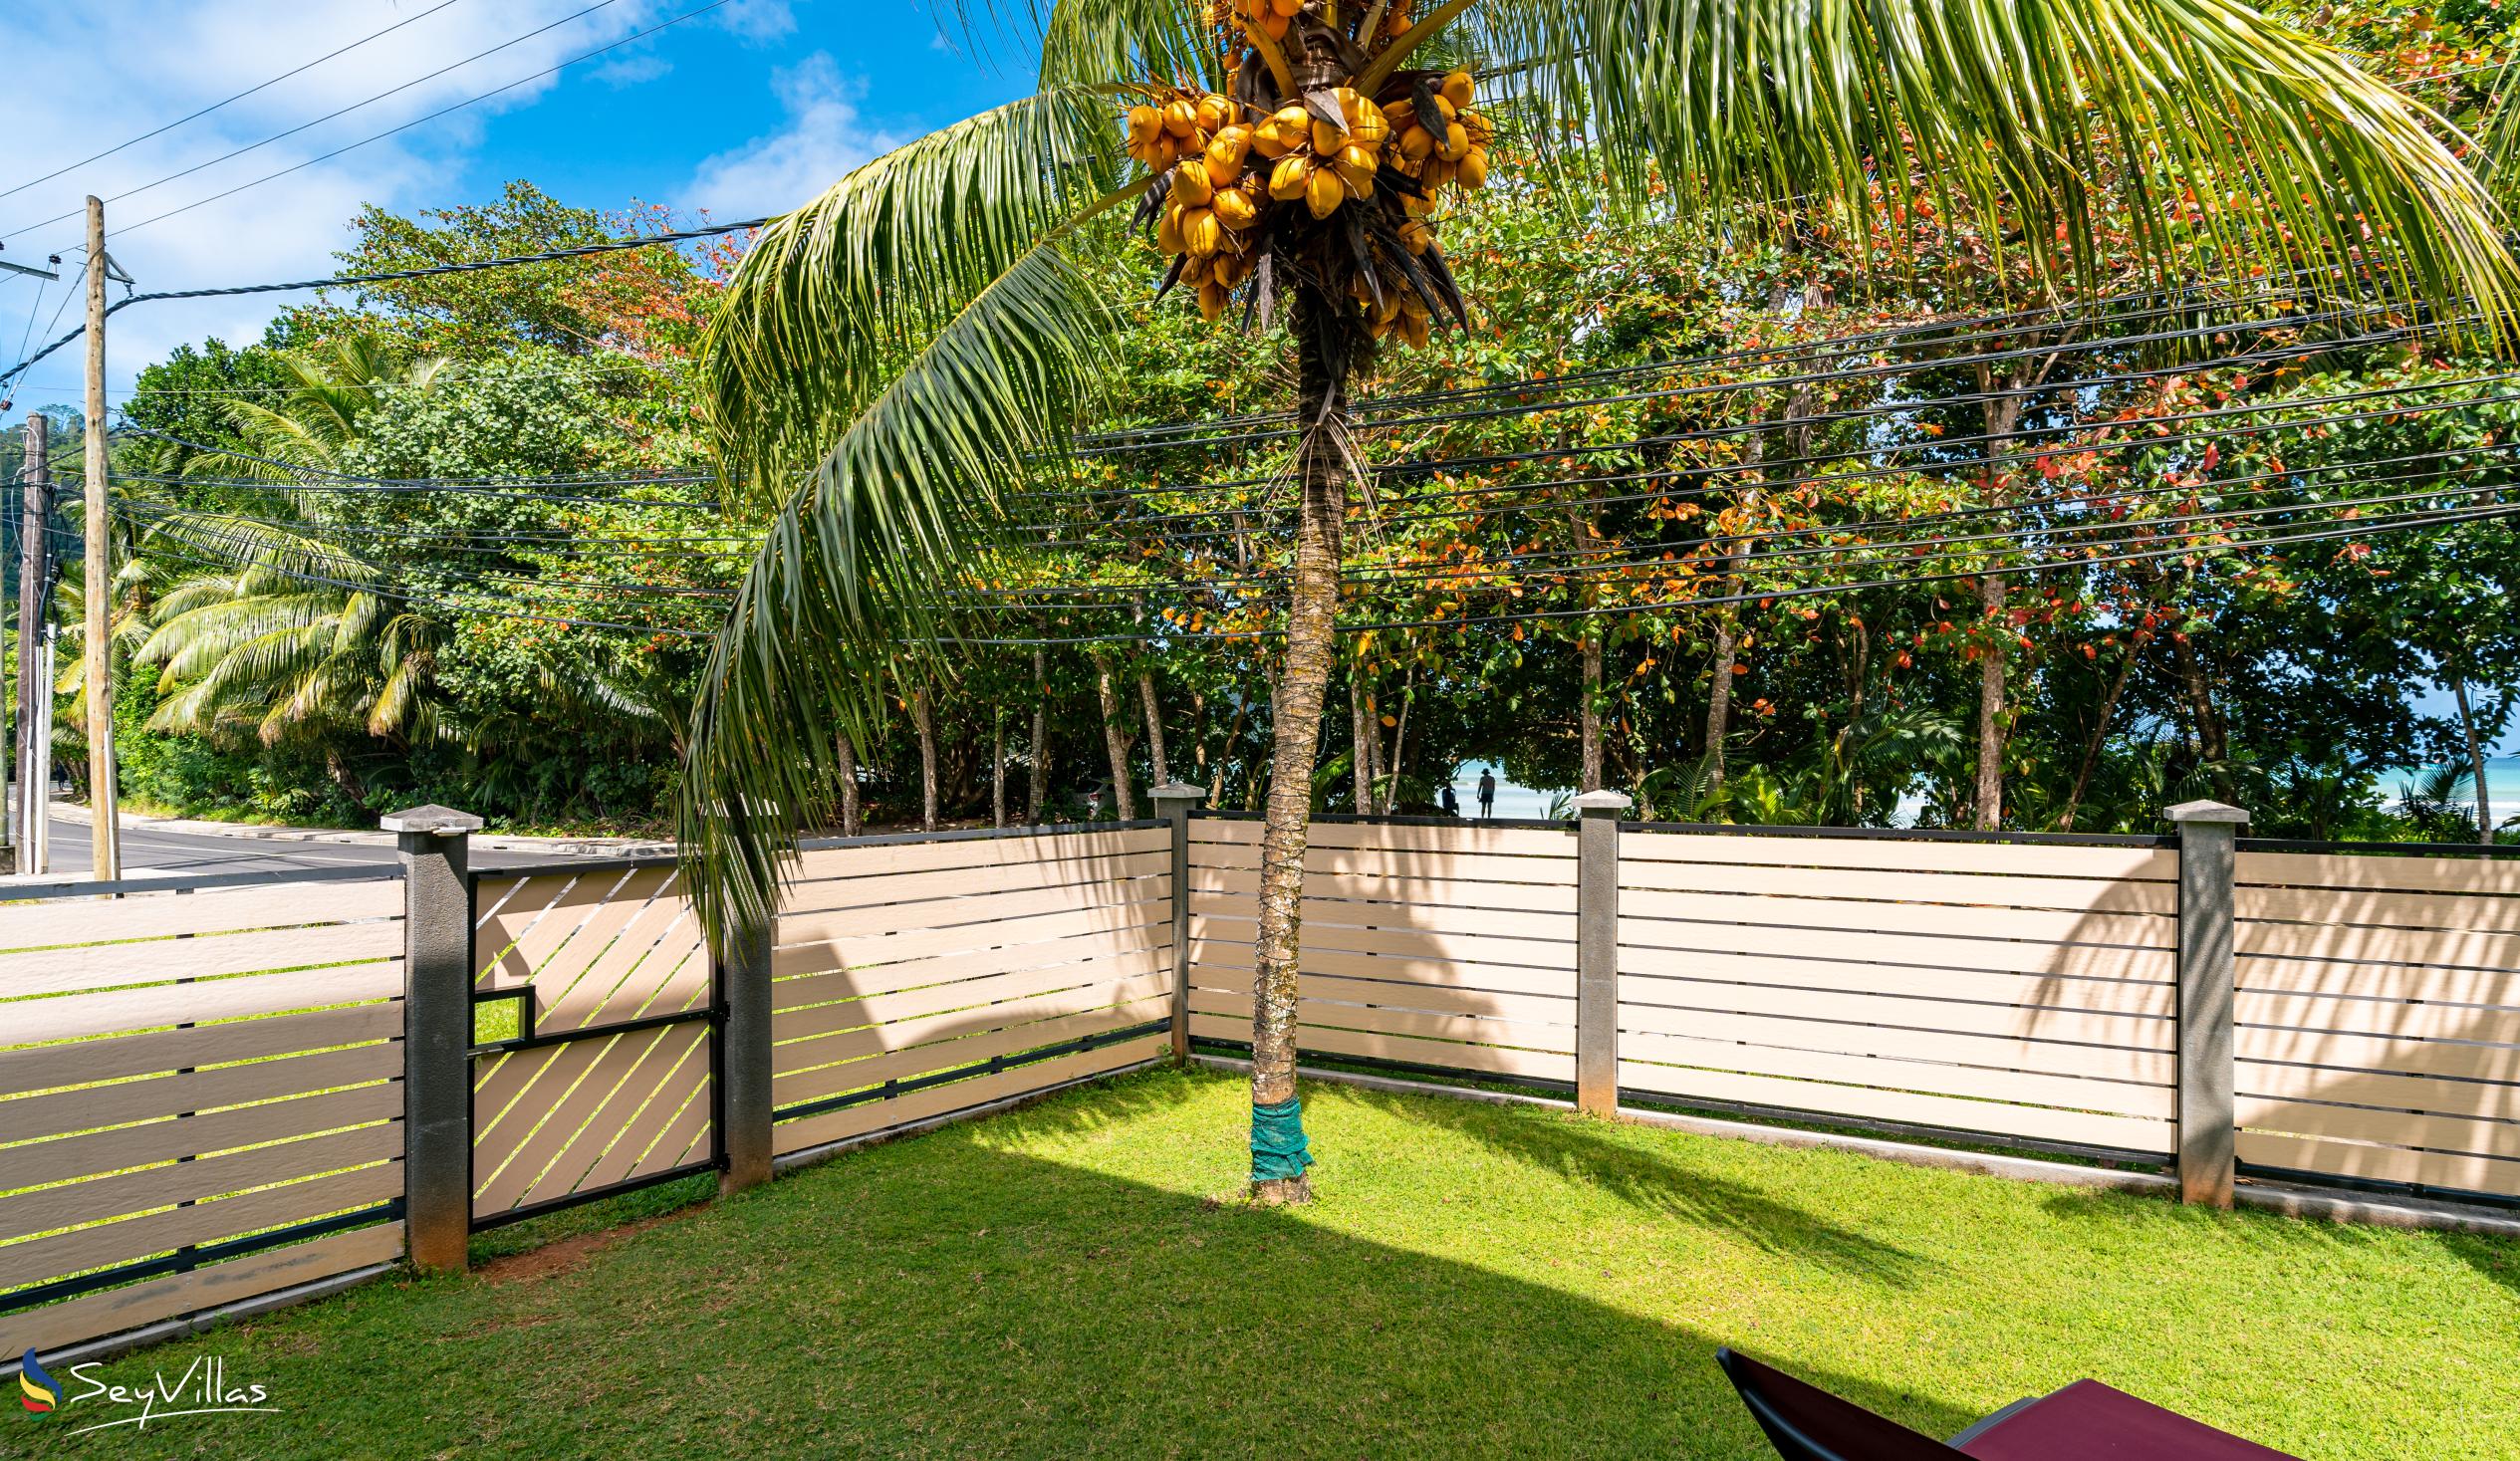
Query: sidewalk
76, 812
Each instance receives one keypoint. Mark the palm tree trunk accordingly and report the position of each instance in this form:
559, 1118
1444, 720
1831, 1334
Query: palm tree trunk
2475, 762
1155, 727
1588, 779
1115, 739
1313, 603
852, 819
1038, 786
923, 716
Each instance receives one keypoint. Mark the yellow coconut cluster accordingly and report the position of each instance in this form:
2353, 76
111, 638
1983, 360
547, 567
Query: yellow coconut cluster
1226, 171
1272, 18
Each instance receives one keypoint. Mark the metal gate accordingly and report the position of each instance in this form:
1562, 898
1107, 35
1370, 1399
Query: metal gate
597, 1036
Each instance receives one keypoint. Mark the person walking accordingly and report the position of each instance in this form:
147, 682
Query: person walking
1451, 803
1487, 795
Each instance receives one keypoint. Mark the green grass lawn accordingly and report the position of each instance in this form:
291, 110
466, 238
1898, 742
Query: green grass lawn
1474, 1281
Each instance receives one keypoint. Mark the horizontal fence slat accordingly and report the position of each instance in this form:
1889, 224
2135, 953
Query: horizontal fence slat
808, 948
818, 983
1466, 837
1991, 1118
2378, 981
2475, 875
973, 853
112, 1012
1639, 851
1213, 959
1325, 919
2398, 1018
2155, 1064
1492, 870
2376, 908
985, 1042
937, 1101
802, 1020
45, 1068
870, 1038
96, 1315
2464, 1173
96, 1152
102, 1198
1667, 947
1995, 1089
1641, 911
1421, 943
2396, 1127
216, 910
2484, 1100
92, 1107
151, 961
2009, 1004
974, 911
1405, 995
831, 894
1921, 883
1315, 1012
2456, 1060
2429, 947
1483, 1060
39, 1258
1410, 890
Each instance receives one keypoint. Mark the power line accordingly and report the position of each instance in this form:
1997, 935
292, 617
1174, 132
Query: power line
319, 122
419, 121
238, 97
343, 281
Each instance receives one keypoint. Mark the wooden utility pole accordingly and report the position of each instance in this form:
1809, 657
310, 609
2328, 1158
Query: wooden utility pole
104, 838
34, 769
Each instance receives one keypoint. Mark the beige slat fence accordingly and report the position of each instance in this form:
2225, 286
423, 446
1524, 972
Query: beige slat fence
1441, 946
2019, 991
916, 978
200, 1101
2378, 1009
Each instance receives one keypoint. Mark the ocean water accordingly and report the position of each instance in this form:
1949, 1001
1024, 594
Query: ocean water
2502, 786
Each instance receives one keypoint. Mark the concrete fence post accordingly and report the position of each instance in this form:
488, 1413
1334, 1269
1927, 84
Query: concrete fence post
743, 1069
1174, 802
1597, 950
2208, 1128
436, 848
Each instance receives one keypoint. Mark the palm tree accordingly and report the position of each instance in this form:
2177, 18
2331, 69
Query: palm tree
314, 426
895, 358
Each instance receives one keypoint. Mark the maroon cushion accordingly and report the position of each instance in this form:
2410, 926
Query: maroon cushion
2089, 1421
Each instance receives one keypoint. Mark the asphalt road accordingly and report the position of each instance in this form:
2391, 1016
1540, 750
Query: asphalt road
150, 850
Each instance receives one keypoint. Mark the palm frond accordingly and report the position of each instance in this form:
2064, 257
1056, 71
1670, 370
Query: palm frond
845, 579
2041, 118
837, 294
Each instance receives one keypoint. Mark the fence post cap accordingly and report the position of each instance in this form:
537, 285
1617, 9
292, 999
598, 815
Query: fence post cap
432, 819
2206, 811
1604, 801
1176, 791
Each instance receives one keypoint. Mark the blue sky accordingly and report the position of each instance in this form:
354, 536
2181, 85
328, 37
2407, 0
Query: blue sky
746, 108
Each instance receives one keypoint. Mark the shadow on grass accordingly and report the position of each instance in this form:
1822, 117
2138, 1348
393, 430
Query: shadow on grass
948, 1296
2494, 1258
1655, 1183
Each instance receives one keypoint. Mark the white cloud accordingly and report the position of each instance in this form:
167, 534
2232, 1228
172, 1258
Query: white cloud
822, 138
758, 21
85, 77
